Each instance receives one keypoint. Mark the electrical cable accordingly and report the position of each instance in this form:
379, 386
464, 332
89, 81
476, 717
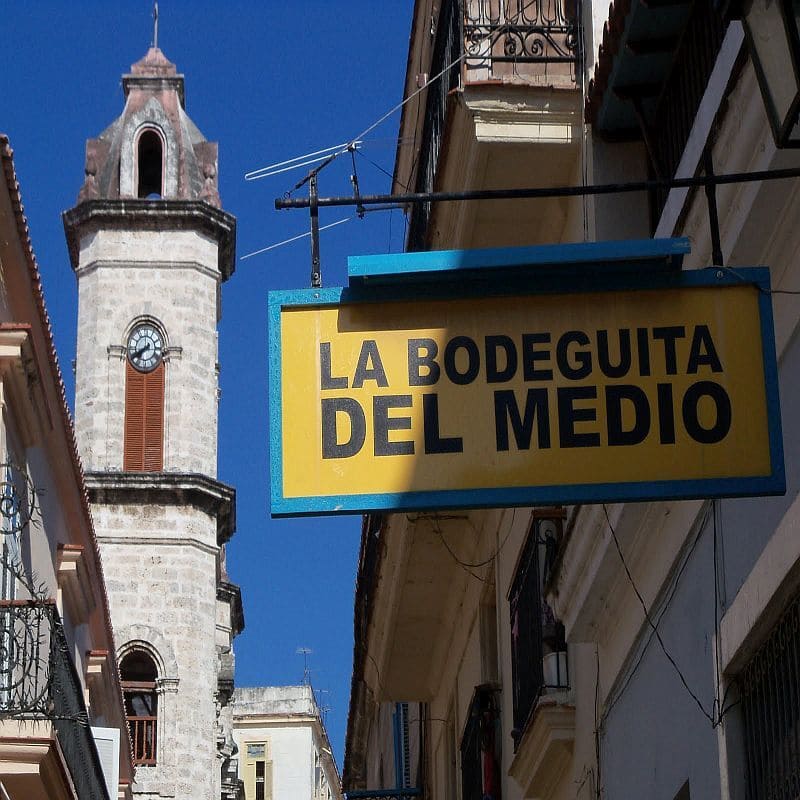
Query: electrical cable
650, 622
357, 139
673, 587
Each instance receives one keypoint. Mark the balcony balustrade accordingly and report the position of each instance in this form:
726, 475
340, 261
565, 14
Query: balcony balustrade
38, 681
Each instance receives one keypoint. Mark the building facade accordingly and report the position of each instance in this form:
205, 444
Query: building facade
63, 732
151, 247
283, 751
621, 650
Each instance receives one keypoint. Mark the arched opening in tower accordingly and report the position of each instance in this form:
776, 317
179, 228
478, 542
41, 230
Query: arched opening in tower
151, 164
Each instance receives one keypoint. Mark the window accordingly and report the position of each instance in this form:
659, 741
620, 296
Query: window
257, 771
150, 165
770, 686
144, 419
480, 749
536, 637
138, 674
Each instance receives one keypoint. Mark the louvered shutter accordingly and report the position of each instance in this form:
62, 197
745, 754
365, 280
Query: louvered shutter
144, 420
154, 420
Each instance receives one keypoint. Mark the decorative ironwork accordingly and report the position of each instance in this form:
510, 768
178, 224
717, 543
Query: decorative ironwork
25, 634
521, 32
17, 499
770, 687
38, 681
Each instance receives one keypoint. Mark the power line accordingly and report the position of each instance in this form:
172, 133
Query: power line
650, 622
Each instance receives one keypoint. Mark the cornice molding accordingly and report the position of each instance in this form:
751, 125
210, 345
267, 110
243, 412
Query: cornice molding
168, 488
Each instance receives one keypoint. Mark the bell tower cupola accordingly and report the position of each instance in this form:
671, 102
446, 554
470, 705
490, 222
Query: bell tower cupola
151, 246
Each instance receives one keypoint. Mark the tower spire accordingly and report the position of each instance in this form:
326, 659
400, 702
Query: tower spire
155, 24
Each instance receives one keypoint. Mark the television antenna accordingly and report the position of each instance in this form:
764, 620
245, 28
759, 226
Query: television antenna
305, 652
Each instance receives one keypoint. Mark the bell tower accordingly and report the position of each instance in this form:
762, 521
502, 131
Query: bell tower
151, 247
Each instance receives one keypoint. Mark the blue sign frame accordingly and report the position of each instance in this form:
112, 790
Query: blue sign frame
659, 274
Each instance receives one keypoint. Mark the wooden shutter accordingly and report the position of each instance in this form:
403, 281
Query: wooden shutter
144, 420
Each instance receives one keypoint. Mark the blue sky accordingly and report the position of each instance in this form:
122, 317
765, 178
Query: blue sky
269, 81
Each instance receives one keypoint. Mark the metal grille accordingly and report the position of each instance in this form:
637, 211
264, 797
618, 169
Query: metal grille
526, 636
770, 688
447, 48
677, 109
479, 761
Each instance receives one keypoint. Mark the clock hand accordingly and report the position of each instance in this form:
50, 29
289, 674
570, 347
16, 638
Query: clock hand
141, 351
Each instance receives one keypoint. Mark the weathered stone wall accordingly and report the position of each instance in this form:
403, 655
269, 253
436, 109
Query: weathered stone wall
171, 277
160, 567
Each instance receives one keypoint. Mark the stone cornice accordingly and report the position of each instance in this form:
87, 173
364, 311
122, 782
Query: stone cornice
168, 488
231, 593
153, 215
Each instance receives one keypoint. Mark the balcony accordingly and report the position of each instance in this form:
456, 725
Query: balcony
510, 60
44, 725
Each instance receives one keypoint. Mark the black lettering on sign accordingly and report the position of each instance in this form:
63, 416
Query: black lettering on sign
473, 360
622, 368
668, 336
493, 373
633, 395
691, 418
434, 441
327, 381
581, 364
417, 362
530, 355
568, 415
666, 414
506, 410
365, 372
331, 408
643, 346
384, 423
702, 352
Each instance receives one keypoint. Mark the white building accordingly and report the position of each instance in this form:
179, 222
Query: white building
283, 748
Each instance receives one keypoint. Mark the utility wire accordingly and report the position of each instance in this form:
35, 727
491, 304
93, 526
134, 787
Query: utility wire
653, 625
618, 694
293, 239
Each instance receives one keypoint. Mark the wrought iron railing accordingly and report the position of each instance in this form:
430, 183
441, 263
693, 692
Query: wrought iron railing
480, 755
38, 681
507, 37
532, 40
770, 688
535, 633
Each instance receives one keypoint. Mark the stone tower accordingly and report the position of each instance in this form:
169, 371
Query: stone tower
151, 247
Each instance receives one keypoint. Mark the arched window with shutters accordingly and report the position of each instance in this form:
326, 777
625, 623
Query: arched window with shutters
143, 449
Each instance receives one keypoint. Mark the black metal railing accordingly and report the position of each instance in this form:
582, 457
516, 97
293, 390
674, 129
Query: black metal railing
488, 40
687, 82
770, 694
507, 37
447, 50
38, 681
480, 756
535, 633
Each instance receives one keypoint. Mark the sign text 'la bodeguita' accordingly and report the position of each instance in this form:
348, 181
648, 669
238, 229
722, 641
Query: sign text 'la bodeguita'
549, 409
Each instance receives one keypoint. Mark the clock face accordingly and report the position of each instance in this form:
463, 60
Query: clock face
145, 347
